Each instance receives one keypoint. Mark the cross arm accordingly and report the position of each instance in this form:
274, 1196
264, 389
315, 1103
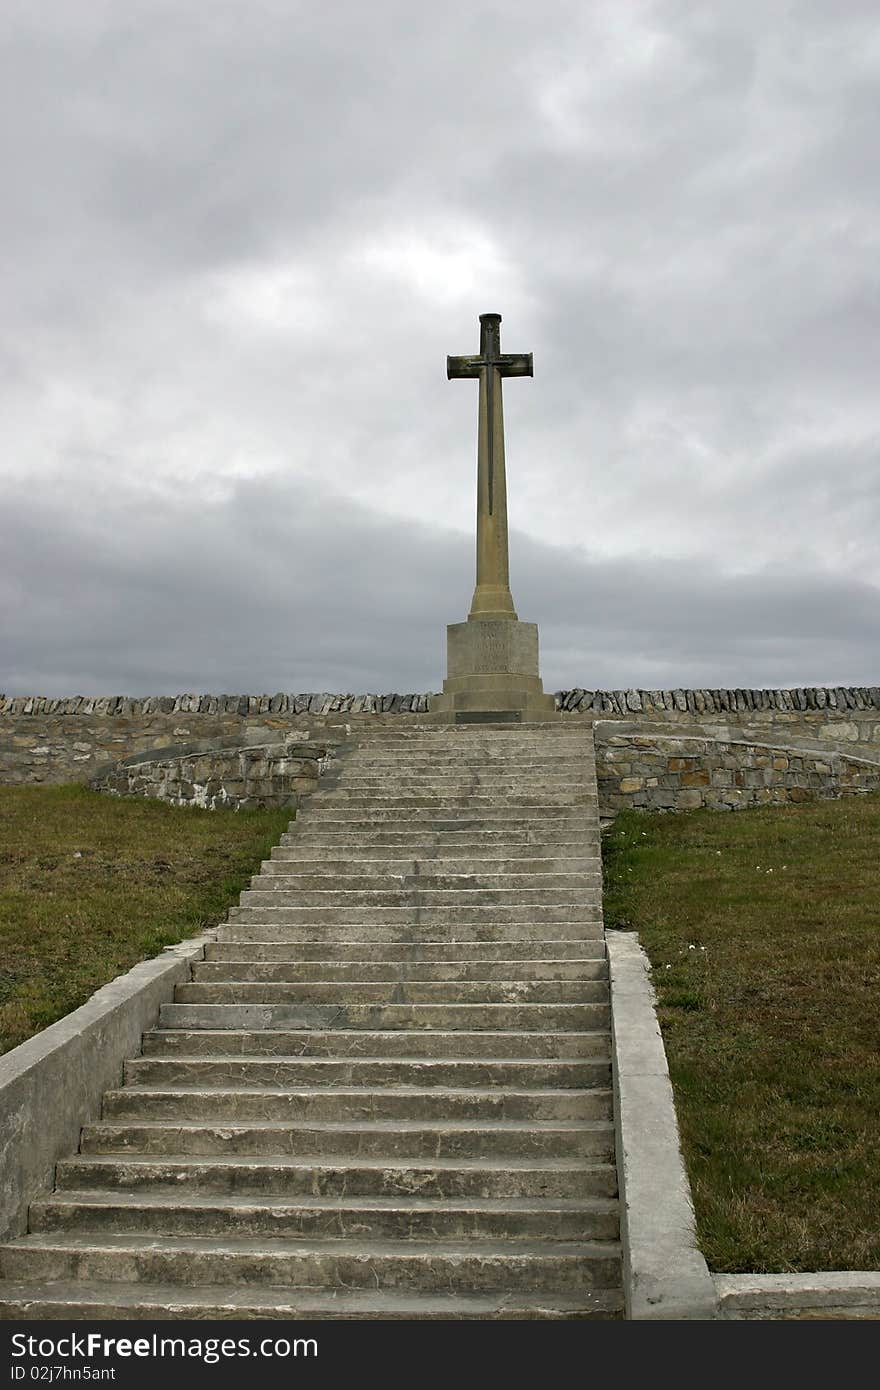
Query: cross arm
514, 364
463, 367
507, 363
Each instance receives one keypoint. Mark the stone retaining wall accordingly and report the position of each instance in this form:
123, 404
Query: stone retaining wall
213, 749
75, 740
659, 771
238, 778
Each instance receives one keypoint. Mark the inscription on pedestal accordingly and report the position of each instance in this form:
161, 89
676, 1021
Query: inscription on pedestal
489, 648
497, 716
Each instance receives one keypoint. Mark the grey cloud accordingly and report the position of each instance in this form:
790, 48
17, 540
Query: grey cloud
272, 590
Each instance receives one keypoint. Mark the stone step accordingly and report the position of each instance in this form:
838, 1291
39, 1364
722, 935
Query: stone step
263, 925
498, 790
462, 744
381, 1016
340, 1177
350, 1049
454, 813
346, 992
292, 861
452, 914
456, 778
226, 1101
557, 731
524, 765
375, 1218
470, 888
288, 877
459, 796
283, 892
371, 1072
454, 790
342, 1263
326, 971
506, 838
377, 842
373, 1138
411, 954
118, 1301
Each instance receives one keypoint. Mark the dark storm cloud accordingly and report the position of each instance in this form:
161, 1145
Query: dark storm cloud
239, 240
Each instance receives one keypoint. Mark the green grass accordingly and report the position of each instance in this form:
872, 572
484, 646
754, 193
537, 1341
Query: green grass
91, 884
763, 932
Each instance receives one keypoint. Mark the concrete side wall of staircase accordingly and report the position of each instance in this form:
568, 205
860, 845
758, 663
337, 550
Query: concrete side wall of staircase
55, 1082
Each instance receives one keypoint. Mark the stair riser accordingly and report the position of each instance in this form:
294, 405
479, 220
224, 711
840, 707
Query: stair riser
337, 1179
285, 878
469, 937
477, 915
336, 1071
396, 992
490, 796
433, 954
450, 814
361, 1047
402, 777
218, 971
431, 1142
381, 1016
317, 1269
103, 1304
278, 896
371, 843
292, 861
251, 1223
181, 1107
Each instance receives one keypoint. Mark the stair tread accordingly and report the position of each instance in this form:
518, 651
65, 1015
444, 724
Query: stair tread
406, 1247
136, 1089
97, 1197
292, 1303
540, 1163
361, 1126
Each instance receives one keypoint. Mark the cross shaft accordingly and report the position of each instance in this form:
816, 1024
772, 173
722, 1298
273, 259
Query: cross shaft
492, 596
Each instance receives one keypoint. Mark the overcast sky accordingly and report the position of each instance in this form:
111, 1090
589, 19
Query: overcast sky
241, 236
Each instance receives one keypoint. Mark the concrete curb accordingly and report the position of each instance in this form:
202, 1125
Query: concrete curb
54, 1083
826, 1294
664, 1274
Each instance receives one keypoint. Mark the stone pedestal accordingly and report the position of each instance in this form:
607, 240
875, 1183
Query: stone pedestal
492, 667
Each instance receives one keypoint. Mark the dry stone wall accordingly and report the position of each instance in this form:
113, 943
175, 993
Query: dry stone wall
656, 749
77, 739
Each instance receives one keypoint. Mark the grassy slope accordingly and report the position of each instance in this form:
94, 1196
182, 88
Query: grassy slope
91, 884
763, 931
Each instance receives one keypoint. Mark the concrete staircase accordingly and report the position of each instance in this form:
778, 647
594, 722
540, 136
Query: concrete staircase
386, 1092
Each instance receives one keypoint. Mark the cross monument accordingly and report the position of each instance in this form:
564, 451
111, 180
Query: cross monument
492, 659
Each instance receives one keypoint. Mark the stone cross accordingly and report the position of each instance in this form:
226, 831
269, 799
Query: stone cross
492, 597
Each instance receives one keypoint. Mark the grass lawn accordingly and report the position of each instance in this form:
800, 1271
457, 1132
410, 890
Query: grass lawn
91, 884
763, 932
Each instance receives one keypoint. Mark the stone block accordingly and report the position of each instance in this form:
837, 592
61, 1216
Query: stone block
631, 784
699, 777
688, 799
